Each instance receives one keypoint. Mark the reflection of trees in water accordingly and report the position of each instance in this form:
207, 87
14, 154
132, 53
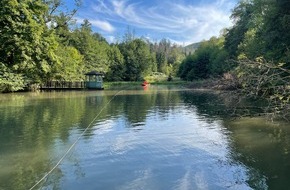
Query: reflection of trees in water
138, 107
27, 134
264, 148
261, 146
206, 104
221, 104
35, 127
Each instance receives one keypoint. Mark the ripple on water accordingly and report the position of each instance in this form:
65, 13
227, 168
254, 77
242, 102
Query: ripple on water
150, 141
163, 154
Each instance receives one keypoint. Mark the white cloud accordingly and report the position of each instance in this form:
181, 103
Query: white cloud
111, 39
101, 7
103, 25
182, 22
119, 7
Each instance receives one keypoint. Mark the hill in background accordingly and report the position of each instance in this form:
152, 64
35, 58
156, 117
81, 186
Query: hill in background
189, 49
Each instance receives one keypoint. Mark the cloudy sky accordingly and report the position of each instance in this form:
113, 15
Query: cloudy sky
181, 21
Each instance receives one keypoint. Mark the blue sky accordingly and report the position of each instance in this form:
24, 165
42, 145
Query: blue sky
181, 21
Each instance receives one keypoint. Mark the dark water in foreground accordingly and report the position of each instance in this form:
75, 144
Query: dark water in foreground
159, 138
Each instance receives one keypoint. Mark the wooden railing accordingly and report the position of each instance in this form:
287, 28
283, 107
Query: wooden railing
63, 85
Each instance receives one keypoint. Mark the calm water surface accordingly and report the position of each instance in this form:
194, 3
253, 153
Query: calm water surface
159, 138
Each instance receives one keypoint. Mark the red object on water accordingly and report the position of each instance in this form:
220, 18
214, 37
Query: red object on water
145, 83
145, 87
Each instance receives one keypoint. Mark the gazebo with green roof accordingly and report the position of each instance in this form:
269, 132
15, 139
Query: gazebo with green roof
94, 80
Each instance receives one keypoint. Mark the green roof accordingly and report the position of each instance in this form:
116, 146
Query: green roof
94, 73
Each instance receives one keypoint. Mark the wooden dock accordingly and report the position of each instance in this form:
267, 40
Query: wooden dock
63, 85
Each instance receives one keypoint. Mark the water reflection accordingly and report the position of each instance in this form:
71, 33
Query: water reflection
265, 147
160, 138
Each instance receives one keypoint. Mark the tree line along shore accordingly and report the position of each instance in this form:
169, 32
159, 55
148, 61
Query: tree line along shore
41, 42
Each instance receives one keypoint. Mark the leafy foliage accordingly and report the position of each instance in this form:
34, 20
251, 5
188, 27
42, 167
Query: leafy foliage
27, 45
261, 29
71, 65
116, 66
168, 56
138, 60
242, 16
91, 47
209, 60
264, 36
9, 81
255, 50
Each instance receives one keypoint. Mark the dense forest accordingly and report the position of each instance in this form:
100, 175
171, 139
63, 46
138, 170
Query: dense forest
40, 42
260, 34
252, 56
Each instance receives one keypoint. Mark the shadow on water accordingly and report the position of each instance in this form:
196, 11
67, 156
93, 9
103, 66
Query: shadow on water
31, 126
261, 145
212, 104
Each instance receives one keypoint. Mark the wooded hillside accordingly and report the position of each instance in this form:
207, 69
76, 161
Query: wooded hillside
40, 42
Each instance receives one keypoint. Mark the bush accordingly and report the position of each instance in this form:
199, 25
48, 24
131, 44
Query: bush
9, 81
156, 77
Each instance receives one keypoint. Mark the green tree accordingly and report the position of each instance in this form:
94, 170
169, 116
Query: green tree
241, 15
27, 45
92, 47
262, 50
175, 58
62, 29
58, 9
9, 81
117, 67
209, 60
275, 30
261, 29
186, 66
70, 66
162, 55
138, 59
168, 56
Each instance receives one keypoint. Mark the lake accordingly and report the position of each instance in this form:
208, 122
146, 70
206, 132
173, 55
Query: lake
161, 137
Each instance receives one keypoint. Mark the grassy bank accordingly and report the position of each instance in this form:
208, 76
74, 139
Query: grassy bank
108, 85
175, 81
155, 78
